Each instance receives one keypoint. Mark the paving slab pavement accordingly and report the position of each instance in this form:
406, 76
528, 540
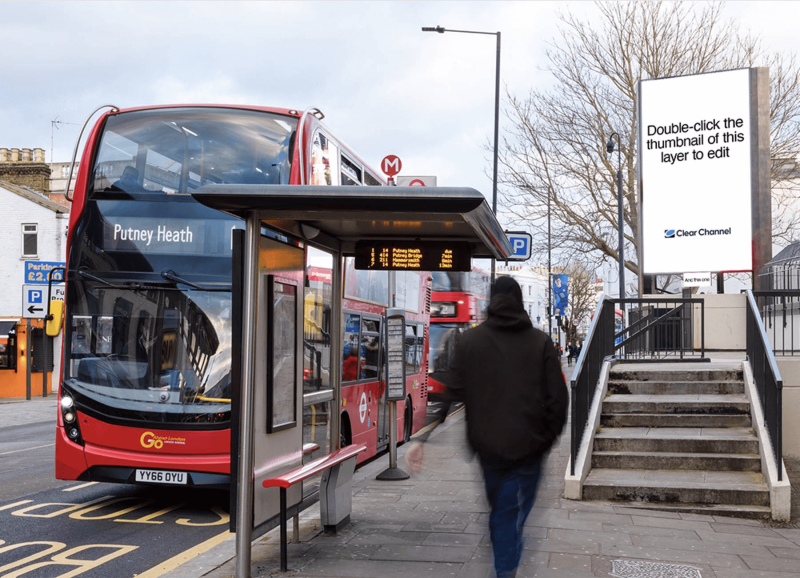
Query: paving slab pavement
435, 524
14, 412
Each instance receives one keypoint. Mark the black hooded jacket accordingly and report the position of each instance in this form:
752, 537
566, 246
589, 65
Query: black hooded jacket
509, 377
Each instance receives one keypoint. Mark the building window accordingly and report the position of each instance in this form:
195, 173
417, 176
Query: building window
30, 241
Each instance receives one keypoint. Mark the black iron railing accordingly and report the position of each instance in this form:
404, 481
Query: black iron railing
766, 375
659, 329
780, 313
598, 345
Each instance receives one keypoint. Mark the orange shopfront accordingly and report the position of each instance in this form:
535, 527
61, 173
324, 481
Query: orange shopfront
15, 350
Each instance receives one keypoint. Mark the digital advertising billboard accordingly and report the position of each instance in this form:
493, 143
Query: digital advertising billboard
695, 162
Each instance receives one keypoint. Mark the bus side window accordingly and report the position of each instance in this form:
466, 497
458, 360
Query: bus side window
370, 348
420, 345
350, 346
412, 358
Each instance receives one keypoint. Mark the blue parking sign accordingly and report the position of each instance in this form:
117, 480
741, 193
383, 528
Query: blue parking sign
521, 245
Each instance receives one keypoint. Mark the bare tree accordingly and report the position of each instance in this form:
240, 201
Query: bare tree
582, 300
554, 158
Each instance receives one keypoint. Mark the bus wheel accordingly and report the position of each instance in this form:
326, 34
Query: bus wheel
409, 421
345, 433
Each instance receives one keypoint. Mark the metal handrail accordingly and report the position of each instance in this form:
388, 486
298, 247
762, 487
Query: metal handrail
648, 324
597, 346
767, 377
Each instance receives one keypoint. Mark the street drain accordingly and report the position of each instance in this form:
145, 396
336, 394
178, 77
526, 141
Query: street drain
634, 569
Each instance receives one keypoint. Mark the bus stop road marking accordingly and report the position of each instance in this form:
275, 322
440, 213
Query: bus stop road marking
15, 504
185, 556
79, 486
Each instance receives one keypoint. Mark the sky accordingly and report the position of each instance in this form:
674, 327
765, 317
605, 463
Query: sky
384, 86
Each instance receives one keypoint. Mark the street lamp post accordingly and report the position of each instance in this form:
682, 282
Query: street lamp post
620, 222
549, 276
442, 30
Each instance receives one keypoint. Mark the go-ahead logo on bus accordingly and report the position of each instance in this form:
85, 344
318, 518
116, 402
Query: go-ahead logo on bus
151, 440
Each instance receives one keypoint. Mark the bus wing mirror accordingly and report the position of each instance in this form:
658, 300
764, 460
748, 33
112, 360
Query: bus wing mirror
53, 326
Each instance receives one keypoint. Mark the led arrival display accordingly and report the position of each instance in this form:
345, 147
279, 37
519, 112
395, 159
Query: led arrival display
413, 255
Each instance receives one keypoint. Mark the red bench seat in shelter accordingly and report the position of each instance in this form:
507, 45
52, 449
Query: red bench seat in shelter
287, 479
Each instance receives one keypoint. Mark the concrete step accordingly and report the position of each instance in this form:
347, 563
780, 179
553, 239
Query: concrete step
729, 510
694, 404
677, 487
685, 440
630, 372
674, 420
622, 387
676, 461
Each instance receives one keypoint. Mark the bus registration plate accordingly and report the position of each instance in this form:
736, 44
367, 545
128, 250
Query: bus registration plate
161, 477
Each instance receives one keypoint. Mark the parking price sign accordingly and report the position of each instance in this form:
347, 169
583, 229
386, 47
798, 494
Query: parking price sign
37, 271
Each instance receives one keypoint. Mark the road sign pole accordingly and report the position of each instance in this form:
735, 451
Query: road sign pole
45, 358
28, 357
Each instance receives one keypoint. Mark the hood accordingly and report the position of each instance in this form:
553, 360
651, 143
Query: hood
506, 313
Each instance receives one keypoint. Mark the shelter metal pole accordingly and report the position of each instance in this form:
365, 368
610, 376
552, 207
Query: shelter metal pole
244, 500
336, 348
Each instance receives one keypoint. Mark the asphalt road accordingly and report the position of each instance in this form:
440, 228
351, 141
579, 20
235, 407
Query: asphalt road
50, 527
27, 463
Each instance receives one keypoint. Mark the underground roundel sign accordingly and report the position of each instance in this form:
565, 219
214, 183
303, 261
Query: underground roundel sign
362, 407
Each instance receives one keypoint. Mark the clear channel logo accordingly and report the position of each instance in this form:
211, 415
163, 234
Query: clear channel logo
701, 232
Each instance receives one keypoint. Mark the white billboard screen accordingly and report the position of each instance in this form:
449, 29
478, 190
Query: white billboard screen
694, 146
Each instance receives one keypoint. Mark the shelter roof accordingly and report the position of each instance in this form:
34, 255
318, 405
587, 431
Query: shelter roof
348, 214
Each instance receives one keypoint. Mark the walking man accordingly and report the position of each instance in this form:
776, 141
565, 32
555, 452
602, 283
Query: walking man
508, 376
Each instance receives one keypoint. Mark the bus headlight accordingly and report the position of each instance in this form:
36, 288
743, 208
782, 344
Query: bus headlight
67, 402
73, 433
69, 417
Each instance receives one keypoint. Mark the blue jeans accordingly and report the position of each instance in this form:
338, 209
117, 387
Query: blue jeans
511, 493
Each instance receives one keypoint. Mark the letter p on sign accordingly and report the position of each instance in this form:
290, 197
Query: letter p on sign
391, 165
520, 244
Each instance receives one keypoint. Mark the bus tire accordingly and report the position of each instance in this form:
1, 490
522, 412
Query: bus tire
345, 432
408, 424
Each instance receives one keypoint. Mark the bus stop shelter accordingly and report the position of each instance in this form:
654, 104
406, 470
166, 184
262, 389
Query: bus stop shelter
335, 219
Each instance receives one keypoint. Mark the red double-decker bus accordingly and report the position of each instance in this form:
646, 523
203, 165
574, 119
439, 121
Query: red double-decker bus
146, 388
458, 302
365, 411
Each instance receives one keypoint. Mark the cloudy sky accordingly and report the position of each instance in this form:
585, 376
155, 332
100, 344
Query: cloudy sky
384, 86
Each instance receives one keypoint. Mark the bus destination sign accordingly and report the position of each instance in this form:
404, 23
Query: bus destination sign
413, 255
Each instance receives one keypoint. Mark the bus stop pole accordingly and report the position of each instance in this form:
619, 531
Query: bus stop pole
244, 498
